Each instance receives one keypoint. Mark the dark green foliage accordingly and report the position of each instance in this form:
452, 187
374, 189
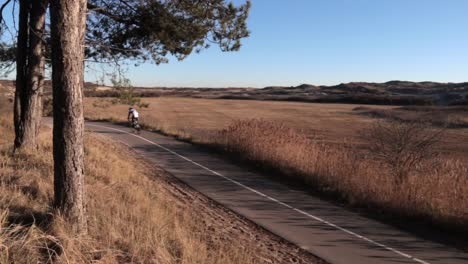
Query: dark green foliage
145, 30
153, 29
7, 58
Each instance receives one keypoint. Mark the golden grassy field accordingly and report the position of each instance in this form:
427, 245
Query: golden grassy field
322, 145
136, 214
200, 119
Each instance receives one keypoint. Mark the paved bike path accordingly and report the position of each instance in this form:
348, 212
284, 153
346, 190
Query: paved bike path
326, 230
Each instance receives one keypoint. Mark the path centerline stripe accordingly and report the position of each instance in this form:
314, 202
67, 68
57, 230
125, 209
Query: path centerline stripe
349, 232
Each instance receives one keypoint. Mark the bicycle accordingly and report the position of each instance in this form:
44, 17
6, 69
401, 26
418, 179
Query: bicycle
135, 125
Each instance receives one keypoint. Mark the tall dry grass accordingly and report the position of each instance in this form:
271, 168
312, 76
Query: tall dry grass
436, 190
132, 217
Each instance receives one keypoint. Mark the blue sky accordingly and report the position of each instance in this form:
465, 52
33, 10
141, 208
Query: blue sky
329, 42
332, 41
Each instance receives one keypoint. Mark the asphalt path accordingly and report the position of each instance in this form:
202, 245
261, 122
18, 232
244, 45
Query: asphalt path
330, 232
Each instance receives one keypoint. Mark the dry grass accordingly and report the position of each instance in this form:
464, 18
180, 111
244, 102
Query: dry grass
442, 116
133, 217
197, 118
437, 189
319, 144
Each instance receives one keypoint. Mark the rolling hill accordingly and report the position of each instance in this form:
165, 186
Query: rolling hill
388, 93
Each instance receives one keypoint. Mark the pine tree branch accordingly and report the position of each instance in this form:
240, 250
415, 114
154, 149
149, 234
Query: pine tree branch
1, 10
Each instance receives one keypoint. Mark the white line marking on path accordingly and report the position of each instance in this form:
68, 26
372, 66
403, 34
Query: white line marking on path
273, 199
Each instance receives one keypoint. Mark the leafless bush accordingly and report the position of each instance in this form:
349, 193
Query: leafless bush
402, 147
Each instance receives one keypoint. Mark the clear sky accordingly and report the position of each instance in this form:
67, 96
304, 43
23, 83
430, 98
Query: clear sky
329, 42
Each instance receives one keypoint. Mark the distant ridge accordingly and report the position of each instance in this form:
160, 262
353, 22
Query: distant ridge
391, 93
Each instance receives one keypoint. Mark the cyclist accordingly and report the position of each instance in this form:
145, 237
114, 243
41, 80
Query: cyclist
133, 115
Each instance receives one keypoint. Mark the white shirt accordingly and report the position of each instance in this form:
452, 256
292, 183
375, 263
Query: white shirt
134, 113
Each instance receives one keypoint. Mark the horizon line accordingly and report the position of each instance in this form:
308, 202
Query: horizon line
267, 86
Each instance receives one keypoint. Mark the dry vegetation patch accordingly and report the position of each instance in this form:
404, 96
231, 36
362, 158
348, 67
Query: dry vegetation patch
441, 116
430, 187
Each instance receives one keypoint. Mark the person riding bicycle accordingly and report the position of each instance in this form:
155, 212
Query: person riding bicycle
133, 115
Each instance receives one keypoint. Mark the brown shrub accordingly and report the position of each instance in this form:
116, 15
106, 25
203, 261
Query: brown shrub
402, 146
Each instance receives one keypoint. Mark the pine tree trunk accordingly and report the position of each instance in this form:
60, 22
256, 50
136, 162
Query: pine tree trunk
68, 28
31, 114
21, 68
30, 73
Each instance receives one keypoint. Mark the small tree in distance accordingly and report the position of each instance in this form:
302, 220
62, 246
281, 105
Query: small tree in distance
126, 92
124, 89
